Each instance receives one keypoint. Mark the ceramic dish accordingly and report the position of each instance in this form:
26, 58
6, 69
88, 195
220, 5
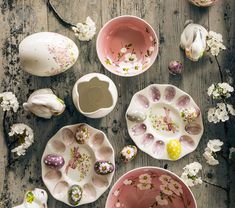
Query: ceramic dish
156, 121
203, 3
127, 45
75, 159
150, 187
95, 95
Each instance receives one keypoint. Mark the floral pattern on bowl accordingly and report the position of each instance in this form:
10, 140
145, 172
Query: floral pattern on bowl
79, 160
150, 187
127, 45
164, 122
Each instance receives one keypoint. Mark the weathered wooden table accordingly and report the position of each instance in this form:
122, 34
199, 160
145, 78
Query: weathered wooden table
19, 18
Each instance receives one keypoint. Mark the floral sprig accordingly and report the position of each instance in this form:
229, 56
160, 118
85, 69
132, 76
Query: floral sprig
85, 31
213, 146
220, 91
9, 101
189, 176
24, 135
215, 43
222, 110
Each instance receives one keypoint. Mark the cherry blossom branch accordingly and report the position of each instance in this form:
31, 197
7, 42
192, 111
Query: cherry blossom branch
215, 185
220, 69
59, 17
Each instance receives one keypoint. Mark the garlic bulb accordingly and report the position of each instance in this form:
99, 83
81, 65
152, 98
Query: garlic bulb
44, 103
193, 40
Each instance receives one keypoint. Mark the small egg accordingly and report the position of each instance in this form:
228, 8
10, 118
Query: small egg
54, 161
174, 149
128, 153
103, 167
74, 195
136, 116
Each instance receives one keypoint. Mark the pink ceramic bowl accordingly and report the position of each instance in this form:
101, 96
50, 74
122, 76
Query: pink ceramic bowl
150, 187
203, 3
127, 46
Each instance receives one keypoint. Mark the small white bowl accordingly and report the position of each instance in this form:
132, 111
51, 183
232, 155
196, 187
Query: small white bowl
95, 95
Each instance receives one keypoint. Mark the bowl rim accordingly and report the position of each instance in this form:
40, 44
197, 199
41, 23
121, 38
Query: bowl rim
99, 76
149, 167
120, 17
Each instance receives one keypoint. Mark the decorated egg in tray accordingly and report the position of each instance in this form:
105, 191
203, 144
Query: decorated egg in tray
78, 164
164, 122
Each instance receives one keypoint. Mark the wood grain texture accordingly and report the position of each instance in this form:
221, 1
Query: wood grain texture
20, 18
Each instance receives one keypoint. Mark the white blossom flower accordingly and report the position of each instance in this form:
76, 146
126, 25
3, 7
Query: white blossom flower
231, 153
145, 178
123, 50
217, 114
161, 201
220, 90
144, 186
208, 155
231, 110
25, 136
85, 31
212, 116
191, 181
127, 182
215, 43
131, 57
189, 176
214, 145
9, 101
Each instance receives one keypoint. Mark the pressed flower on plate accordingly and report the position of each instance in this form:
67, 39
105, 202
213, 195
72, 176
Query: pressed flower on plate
145, 178
161, 200
131, 57
24, 136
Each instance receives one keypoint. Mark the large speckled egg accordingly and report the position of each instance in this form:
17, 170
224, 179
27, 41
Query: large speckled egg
174, 149
54, 161
46, 54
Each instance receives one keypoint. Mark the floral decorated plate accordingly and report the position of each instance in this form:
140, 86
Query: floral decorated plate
150, 187
164, 122
78, 164
127, 45
203, 3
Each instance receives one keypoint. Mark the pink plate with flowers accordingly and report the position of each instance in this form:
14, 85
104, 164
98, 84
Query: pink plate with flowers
164, 122
78, 164
127, 45
150, 187
203, 3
